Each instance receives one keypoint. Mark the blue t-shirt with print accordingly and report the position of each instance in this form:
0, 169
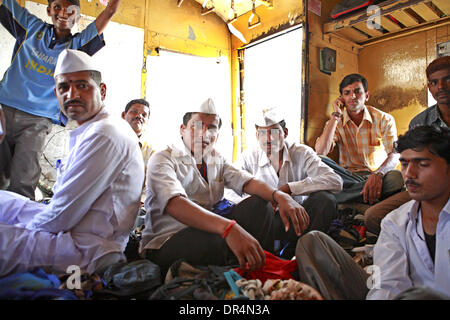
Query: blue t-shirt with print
28, 83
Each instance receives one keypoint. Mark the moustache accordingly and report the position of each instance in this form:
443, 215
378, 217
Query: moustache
73, 102
411, 183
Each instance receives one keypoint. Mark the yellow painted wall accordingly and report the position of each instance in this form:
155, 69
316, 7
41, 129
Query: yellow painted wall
395, 70
323, 89
185, 30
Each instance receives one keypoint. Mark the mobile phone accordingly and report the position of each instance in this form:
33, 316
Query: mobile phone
340, 104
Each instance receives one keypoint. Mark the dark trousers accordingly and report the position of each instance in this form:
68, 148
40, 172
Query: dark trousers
354, 183
198, 247
257, 217
321, 207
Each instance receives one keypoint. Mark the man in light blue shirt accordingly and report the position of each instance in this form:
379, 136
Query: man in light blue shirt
411, 256
26, 89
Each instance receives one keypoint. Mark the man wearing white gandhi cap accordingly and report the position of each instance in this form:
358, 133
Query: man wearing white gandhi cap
97, 192
294, 169
187, 216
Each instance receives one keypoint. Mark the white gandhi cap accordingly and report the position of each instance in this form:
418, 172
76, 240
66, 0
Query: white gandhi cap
206, 106
269, 117
73, 61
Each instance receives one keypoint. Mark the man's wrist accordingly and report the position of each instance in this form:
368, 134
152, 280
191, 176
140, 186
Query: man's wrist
336, 115
379, 173
273, 195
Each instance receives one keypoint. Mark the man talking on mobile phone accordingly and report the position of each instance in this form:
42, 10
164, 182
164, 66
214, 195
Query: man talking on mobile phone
365, 138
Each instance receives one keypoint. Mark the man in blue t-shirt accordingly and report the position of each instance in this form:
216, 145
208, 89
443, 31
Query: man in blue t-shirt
26, 90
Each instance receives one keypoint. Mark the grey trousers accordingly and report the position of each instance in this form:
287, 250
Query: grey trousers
21, 150
325, 266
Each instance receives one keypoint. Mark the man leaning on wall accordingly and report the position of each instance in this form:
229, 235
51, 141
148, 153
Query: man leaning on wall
361, 133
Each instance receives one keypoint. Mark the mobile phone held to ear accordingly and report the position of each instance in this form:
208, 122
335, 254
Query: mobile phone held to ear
340, 104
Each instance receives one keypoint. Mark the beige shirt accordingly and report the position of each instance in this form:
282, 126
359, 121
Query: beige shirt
147, 152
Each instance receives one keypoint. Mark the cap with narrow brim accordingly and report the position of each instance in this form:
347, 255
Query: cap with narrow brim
70, 61
269, 117
206, 106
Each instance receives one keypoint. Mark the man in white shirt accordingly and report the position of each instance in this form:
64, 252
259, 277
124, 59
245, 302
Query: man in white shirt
294, 169
186, 181
96, 195
412, 251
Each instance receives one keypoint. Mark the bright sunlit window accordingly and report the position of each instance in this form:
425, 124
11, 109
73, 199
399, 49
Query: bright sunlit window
273, 78
176, 81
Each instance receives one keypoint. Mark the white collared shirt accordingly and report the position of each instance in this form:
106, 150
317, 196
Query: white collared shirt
173, 172
96, 195
302, 169
403, 257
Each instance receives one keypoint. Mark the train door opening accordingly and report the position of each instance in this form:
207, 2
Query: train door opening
176, 81
273, 78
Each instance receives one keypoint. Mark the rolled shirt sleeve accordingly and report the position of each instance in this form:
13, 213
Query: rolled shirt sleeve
317, 176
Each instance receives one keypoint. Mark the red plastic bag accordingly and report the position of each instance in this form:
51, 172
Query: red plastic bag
275, 268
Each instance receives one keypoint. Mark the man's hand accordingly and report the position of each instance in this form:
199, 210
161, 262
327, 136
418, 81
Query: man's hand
285, 189
372, 189
338, 105
289, 209
246, 248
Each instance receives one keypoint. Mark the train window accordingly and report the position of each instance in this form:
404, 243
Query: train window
177, 80
273, 78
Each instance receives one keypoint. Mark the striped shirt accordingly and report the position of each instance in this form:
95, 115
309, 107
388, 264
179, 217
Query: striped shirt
365, 148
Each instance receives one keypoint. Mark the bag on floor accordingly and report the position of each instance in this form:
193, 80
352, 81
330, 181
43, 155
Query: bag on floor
186, 282
131, 279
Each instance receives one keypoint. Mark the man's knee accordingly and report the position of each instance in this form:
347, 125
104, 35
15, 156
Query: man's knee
372, 219
392, 182
254, 204
323, 197
310, 240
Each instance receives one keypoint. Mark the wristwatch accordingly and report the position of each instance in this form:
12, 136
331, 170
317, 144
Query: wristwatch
336, 114
379, 174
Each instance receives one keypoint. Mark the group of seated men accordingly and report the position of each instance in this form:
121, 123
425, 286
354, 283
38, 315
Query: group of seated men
293, 192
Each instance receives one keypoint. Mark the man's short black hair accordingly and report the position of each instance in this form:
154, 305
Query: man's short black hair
74, 2
438, 64
352, 78
134, 101
188, 115
436, 139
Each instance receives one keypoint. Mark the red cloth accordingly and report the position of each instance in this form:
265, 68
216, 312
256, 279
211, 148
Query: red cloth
361, 230
275, 268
